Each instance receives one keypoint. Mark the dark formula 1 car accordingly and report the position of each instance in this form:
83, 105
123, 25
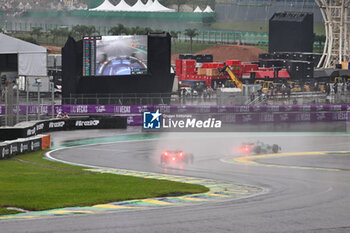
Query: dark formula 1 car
175, 157
259, 148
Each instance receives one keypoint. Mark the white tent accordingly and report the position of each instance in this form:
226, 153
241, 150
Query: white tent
105, 6
122, 6
157, 7
208, 10
198, 10
27, 6
32, 59
20, 6
139, 6
149, 3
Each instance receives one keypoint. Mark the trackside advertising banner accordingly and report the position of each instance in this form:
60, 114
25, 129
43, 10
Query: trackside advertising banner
133, 109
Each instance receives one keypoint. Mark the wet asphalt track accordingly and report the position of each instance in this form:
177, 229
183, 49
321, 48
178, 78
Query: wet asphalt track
298, 200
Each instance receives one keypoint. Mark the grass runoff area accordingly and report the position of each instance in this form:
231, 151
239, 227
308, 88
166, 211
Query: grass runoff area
31, 182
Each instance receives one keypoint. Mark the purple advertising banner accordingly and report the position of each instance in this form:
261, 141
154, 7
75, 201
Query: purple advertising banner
133, 109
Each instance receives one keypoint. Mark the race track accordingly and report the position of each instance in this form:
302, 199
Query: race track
303, 193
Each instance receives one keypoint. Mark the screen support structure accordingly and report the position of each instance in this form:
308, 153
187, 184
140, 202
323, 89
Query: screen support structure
336, 18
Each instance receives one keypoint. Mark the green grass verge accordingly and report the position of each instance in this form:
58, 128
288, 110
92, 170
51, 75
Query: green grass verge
43, 184
4, 211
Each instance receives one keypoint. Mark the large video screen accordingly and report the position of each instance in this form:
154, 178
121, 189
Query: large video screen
115, 55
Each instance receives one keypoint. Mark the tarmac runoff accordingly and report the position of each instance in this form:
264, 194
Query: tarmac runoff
251, 160
219, 191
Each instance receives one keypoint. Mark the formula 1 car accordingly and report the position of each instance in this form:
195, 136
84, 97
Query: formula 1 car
259, 148
175, 157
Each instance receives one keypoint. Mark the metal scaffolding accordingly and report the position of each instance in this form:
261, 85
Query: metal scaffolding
337, 27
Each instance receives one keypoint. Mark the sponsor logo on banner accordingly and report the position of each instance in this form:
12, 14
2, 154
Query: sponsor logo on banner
305, 108
247, 118
152, 120
36, 145
142, 108
284, 117
304, 117
266, 118
87, 123
31, 132
58, 109
3, 153
348, 107
273, 108
79, 109
40, 126
100, 109
319, 108
339, 116
244, 109
32, 145
57, 124
129, 120
336, 107
21, 148
288, 108
157, 120
256, 108
44, 109
164, 109
320, 116
122, 109
182, 109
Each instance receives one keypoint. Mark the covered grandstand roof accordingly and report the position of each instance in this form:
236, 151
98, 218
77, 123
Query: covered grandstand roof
139, 6
208, 9
105, 6
149, 3
198, 10
157, 7
122, 6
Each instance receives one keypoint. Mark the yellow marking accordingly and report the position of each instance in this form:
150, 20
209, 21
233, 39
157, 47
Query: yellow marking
157, 202
115, 207
192, 199
19, 217
73, 211
218, 195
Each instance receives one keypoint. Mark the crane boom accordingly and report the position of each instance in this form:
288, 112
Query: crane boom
228, 70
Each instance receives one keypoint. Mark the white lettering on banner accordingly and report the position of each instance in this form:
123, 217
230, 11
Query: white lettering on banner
336, 107
58, 124
130, 120
221, 109
142, 108
79, 109
284, 117
36, 145
266, 117
273, 108
33, 109
31, 132
14, 149
244, 109
304, 117
100, 109
164, 109
87, 123
339, 116
247, 118
44, 109
320, 116
288, 108
319, 108
40, 126
58, 109
125, 109
191, 123
306, 108
256, 108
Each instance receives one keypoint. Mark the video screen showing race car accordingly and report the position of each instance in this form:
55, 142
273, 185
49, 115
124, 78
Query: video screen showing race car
115, 56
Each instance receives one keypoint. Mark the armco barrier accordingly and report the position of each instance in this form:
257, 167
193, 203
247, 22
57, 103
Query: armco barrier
27, 129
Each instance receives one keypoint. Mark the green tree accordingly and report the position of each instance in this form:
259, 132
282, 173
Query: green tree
36, 31
191, 32
55, 33
175, 36
117, 30
79, 31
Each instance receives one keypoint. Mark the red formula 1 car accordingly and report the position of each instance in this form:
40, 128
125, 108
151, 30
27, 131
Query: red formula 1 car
175, 157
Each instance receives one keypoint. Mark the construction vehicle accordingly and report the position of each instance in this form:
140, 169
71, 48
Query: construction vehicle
234, 82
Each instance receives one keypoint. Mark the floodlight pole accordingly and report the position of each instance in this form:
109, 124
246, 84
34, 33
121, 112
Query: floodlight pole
336, 18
